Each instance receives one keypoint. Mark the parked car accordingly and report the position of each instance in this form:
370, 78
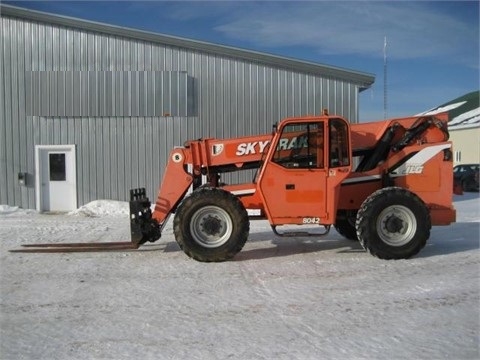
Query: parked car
467, 176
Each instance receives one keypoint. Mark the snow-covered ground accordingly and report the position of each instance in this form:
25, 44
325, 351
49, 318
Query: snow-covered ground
278, 299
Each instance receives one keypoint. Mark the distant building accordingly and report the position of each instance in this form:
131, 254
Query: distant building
463, 126
466, 144
88, 110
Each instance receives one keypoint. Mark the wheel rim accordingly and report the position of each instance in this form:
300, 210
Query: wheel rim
211, 226
396, 225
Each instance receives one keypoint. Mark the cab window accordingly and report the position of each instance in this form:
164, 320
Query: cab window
301, 146
338, 140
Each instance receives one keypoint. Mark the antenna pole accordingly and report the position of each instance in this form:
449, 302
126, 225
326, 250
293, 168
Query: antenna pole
385, 78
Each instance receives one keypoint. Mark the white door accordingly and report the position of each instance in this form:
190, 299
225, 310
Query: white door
56, 186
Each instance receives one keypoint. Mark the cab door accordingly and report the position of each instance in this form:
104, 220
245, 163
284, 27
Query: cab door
302, 171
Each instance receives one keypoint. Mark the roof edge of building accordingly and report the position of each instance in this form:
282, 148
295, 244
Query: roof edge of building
362, 79
464, 127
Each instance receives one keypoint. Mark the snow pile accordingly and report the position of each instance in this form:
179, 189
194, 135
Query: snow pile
101, 208
7, 210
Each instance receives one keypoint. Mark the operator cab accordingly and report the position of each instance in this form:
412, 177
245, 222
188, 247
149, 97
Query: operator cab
308, 160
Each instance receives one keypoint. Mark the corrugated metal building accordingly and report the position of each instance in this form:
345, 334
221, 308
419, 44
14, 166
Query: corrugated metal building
95, 109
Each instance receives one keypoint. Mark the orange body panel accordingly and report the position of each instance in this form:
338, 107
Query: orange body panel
238, 151
248, 195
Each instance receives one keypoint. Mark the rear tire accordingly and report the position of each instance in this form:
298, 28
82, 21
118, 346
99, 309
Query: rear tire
345, 224
393, 223
211, 225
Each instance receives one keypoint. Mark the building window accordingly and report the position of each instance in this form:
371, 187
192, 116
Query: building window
57, 167
458, 156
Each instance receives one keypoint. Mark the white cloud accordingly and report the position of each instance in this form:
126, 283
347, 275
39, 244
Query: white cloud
413, 29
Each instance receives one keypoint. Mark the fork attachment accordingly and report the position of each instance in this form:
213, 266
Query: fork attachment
142, 227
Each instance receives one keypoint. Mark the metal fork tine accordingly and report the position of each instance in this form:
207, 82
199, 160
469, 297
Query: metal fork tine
76, 247
93, 244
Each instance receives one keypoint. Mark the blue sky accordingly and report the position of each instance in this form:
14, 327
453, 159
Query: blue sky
432, 46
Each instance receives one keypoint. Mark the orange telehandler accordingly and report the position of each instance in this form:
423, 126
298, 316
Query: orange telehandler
383, 183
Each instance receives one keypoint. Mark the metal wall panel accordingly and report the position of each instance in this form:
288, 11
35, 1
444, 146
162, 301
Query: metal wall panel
107, 94
92, 93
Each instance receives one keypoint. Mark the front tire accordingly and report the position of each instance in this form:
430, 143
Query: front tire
211, 225
393, 223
